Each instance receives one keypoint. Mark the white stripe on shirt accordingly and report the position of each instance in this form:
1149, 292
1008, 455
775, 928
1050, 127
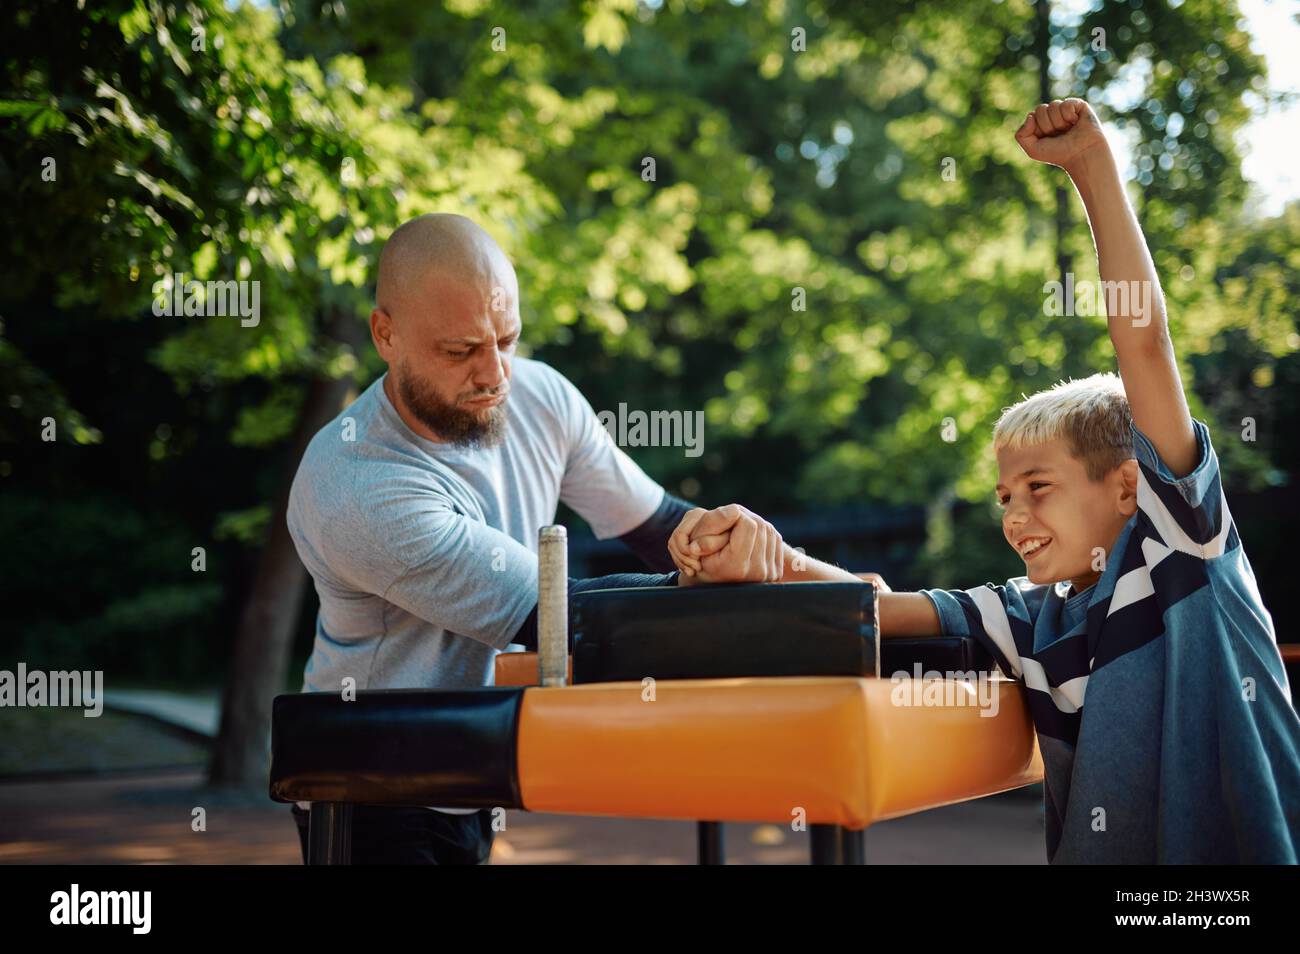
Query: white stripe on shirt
1067, 697
1132, 586
993, 615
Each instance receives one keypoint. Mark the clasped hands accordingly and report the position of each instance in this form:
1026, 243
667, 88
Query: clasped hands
728, 545
736, 545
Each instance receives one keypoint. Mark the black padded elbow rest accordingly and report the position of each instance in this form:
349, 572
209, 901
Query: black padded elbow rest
719, 632
454, 748
941, 654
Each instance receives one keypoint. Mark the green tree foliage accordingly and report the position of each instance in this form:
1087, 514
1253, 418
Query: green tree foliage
856, 158
805, 146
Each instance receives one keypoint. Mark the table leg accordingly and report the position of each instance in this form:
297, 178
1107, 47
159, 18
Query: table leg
329, 834
855, 846
712, 851
827, 844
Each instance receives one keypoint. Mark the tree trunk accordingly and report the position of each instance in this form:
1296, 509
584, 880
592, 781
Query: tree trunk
241, 755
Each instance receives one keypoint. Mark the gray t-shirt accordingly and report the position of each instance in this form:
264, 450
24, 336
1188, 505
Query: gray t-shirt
424, 556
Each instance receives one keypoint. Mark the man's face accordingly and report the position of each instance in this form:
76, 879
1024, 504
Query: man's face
1055, 517
450, 350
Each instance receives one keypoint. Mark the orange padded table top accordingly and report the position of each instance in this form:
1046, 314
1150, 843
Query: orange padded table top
761, 749
521, 669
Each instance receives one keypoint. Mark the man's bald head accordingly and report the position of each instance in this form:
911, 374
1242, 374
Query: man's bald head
430, 251
446, 320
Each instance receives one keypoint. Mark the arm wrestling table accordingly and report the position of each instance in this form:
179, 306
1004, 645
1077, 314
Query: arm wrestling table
757, 703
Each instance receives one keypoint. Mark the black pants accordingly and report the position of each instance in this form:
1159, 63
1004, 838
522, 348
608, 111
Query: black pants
397, 835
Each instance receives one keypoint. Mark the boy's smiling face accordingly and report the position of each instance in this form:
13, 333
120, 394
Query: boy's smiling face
1054, 515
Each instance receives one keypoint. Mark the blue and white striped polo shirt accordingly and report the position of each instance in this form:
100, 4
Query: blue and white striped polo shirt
1189, 751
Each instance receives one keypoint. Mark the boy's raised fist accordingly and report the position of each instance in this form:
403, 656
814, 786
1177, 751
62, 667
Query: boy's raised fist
1061, 132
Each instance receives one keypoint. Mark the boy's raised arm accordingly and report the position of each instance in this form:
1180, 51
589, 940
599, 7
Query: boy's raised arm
1067, 134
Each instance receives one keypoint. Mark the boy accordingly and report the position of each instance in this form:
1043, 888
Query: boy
1137, 589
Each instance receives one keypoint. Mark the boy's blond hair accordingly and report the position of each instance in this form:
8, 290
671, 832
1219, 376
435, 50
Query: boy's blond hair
1092, 415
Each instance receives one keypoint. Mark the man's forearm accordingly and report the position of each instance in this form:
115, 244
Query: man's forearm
527, 634
649, 541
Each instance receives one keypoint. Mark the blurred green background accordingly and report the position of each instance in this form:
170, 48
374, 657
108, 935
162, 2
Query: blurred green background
796, 146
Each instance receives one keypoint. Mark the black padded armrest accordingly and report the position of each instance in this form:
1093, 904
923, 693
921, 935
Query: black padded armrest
941, 654
453, 748
718, 632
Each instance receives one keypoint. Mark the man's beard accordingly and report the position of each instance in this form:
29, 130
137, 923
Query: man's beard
454, 424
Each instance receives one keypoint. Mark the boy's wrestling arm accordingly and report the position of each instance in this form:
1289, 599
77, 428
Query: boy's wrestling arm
1067, 134
702, 546
901, 614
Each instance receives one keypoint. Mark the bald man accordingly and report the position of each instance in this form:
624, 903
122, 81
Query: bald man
416, 510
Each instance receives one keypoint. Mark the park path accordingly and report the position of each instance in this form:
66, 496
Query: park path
146, 819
